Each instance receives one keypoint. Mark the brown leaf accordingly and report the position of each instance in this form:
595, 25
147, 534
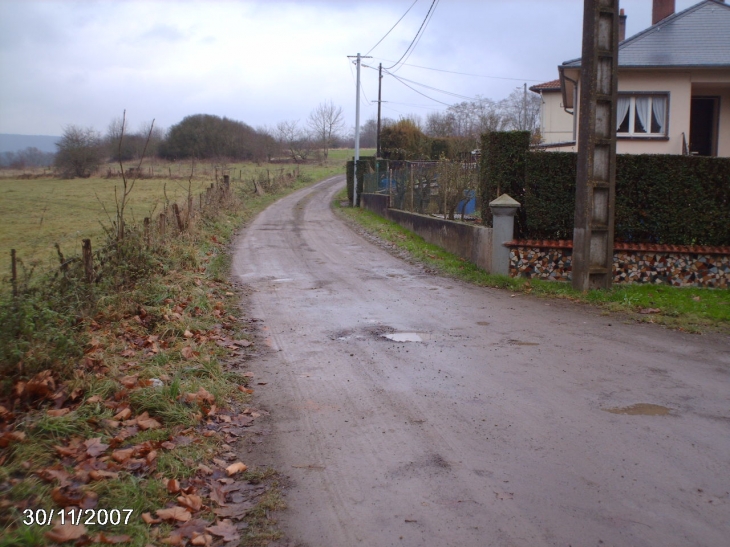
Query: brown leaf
111, 540
188, 334
123, 414
129, 381
61, 533
191, 501
188, 352
122, 455
94, 399
177, 513
57, 413
173, 486
100, 474
145, 422
237, 467
94, 447
649, 310
226, 530
242, 343
217, 494
201, 539
235, 510
149, 519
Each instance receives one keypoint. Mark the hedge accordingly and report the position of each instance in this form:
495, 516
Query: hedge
664, 199
366, 164
502, 170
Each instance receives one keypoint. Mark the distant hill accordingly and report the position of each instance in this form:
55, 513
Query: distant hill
14, 143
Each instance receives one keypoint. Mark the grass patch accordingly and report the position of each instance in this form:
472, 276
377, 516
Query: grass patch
690, 309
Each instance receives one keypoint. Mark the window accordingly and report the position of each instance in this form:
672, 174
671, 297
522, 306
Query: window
642, 115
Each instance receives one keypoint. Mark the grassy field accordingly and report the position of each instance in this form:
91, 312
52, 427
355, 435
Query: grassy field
691, 309
36, 213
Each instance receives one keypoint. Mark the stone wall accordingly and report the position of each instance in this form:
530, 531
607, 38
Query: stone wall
677, 265
472, 243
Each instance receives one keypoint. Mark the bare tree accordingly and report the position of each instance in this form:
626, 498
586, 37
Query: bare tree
325, 122
294, 140
522, 110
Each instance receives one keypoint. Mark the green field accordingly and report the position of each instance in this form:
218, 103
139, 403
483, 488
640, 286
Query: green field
37, 213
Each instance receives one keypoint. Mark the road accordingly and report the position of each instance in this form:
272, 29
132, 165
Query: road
514, 421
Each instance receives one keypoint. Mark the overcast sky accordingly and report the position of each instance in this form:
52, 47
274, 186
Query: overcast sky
262, 62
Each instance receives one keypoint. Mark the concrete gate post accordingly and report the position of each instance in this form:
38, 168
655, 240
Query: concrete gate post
504, 209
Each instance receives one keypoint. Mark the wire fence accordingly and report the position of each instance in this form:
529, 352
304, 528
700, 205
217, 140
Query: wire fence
442, 188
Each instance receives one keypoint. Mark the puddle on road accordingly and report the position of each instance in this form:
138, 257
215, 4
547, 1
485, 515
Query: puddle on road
483, 323
521, 343
640, 409
407, 336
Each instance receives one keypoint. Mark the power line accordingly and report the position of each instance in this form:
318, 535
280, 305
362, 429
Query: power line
414, 89
430, 9
451, 93
463, 73
428, 20
391, 28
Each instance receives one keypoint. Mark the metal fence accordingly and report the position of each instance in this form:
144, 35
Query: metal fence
426, 187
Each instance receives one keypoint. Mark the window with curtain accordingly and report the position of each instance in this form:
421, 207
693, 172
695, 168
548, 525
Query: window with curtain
642, 115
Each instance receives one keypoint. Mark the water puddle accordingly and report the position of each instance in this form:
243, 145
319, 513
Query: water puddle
640, 409
407, 336
522, 343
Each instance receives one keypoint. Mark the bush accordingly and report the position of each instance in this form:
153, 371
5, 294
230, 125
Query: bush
80, 152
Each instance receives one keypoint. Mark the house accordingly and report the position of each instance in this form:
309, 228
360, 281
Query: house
556, 125
673, 84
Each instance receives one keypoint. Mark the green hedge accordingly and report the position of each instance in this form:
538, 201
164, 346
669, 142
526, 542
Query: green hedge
366, 164
502, 170
669, 199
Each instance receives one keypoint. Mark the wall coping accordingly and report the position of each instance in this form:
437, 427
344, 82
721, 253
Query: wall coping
643, 247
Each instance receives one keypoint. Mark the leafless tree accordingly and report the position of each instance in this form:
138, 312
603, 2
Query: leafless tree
80, 151
325, 122
521, 110
294, 140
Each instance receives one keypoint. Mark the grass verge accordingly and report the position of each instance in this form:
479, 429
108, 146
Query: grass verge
132, 394
690, 309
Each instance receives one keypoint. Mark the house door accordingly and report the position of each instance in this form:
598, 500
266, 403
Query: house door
703, 126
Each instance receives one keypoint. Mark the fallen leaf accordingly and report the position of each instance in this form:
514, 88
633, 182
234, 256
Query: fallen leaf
177, 513
122, 455
100, 474
61, 533
235, 510
94, 447
191, 501
123, 414
201, 539
242, 343
226, 530
111, 540
217, 494
149, 519
188, 334
188, 352
58, 412
145, 422
649, 310
173, 486
237, 467
94, 399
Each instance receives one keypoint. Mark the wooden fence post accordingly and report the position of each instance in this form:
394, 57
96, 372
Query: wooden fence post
61, 259
14, 272
162, 222
191, 211
147, 231
89, 259
176, 210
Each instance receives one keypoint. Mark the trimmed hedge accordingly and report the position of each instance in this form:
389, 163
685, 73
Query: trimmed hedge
666, 199
366, 164
502, 170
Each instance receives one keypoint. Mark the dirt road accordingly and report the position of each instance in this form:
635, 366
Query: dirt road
512, 422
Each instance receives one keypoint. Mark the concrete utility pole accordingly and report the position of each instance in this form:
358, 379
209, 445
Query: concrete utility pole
380, 89
595, 190
357, 126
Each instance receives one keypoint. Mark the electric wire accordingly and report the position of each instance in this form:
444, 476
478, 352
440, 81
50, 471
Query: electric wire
428, 20
430, 9
461, 73
391, 28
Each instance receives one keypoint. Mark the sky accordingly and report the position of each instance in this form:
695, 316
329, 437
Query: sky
262, 62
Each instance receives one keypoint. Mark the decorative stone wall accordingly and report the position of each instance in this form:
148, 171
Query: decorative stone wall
677, 265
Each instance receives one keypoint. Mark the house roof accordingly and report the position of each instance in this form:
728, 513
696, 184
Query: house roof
696, 37
552, 85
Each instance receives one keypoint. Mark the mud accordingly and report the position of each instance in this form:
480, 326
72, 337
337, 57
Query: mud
494, 431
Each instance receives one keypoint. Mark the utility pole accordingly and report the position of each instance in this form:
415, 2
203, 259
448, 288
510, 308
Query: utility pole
595, 189
380, 88
357, 126
524, 105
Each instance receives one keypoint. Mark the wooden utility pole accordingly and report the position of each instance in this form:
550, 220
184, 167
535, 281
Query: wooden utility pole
595, 189
88, 259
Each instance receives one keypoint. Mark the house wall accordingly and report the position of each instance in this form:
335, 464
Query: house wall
556, 125
681, 86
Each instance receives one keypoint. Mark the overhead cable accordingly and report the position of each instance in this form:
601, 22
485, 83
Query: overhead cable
391, 28
415, 38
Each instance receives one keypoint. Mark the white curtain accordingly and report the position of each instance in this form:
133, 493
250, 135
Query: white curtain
659, 106
642, 111
622, 108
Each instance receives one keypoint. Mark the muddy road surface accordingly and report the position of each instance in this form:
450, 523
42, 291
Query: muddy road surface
483, 419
